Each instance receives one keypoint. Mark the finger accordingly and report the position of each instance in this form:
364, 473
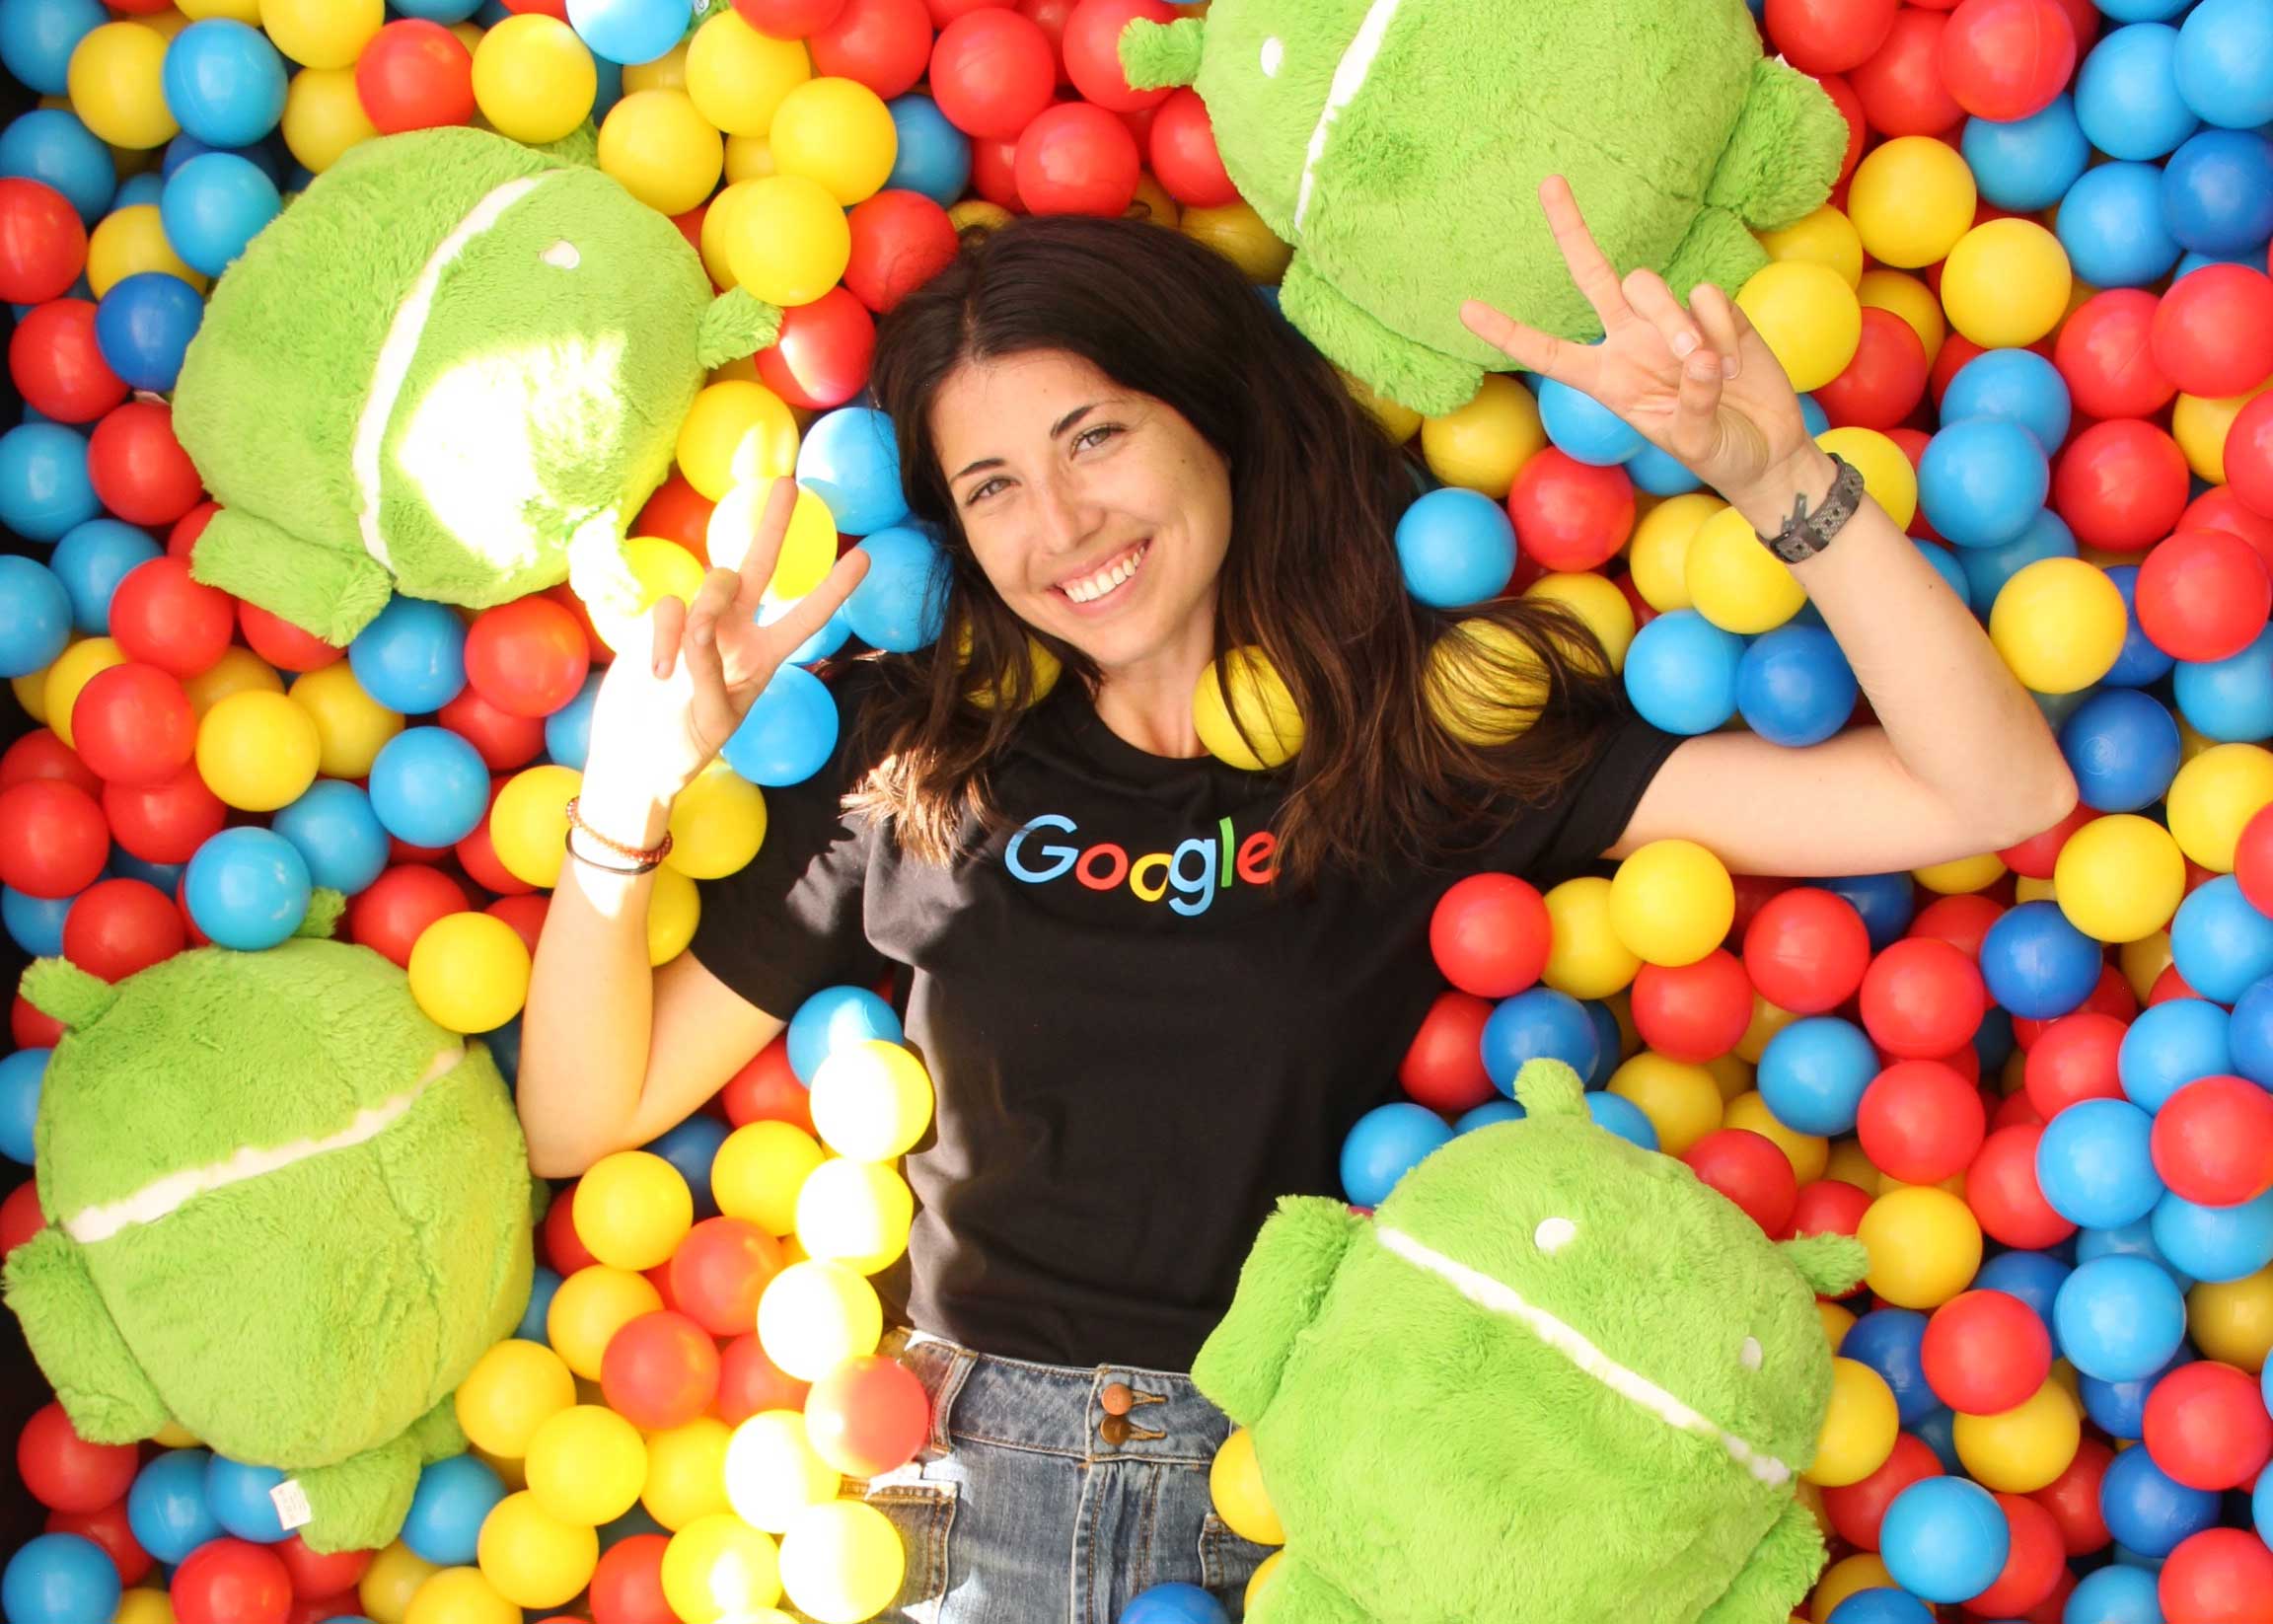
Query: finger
773, 524
811, 613
667, 621
1542, 352
1718, 315
1653, 302
1696, 407
1593, 274
719, 588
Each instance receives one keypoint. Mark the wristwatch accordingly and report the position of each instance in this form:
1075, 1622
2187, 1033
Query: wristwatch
1807, 533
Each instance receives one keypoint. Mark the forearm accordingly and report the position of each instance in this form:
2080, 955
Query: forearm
1959, 722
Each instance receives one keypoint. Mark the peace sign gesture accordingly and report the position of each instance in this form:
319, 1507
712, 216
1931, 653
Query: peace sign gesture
1697, 383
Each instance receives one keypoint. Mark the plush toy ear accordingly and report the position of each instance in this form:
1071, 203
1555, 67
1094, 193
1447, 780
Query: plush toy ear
61, 990
325, 906
1833, 1264
1155, 54
736, 325
1550, 1088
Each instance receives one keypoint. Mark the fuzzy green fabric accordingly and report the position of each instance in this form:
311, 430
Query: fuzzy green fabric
1425, 127
499, 444
285, 1210
1555, 1378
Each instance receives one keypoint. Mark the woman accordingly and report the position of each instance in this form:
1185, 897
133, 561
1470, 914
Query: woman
1154, 992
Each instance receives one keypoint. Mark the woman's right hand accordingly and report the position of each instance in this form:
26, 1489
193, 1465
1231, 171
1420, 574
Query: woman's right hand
658, 721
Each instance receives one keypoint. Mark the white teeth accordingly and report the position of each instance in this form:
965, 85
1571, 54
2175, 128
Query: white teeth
1091, 588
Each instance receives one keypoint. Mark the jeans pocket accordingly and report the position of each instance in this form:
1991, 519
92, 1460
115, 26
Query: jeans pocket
1227, 1561
923, 1515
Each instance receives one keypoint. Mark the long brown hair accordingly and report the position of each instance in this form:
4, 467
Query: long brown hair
1310, 576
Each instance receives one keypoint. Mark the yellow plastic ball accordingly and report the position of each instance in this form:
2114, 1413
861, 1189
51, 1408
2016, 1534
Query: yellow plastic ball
533, 79
175, 1435
2120, 877
808, 547
116, 77
1586, 958
1484, 444
1263, 1581
529, 822
237, 671
1671, 903
533, 1558
1825, 238
2200, 427
2231, 1320
1658, 557
2143, 962
750, 157
1484, 686
719, 1567
589, 1307
2214, 797
759, 1170
235, 11
712, 239
1268, 731
2059, 623
666, 72
1960, 876
1848, 1164
871, 1100
1810, 317
855, 1213
1925, 1246
587, 1464
126, 242
838, 132
1736, 583
1911, 199
2006, 283
632, 1210
140, 1606
351, 725
662, 150
258, 752
1238, 233
322, 34
460, 1595
1887, 473
323, 116
738, 76
1808, 1153
1731, 1073
1396, 420
736, 433
791, 241
72, 670
674, 908
1837, 1322
1235, 1485
773, 1472
1864, 1571
977, 214
841, 1561
512, 1390
1899, 293
1767, 1020
1859, 1428
2024, 1448
717, 824
1680, 1099
815, 1315
469, 972
686, 1472
391, 1580
1595, 600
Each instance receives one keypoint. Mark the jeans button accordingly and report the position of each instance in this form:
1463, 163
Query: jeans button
1114, 1429
1117, 1399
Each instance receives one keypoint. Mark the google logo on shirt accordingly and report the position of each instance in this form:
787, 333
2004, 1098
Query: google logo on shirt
1194, 870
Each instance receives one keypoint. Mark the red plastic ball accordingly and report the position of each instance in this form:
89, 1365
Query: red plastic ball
1850, 108
883, 44
53, 840
109, 1527
1092, 47
2121, 485
1919, 1121
1985, 1352
821, 357
749, 1383
1696, 1013
2000, 1185
477, 853
2006, 59
118, 927
138, 468
2206, 1426
525, 914
1184, 158
283, 644
2220, 1576
1961, 921
20, 1217
1901, 85
678, 512
900, 240
1078, 158
2213, 332
2073, 1499
868, 1416
416, 74
1885, 382
661, 1370
1751, 1170
1443, 1066
2074, 1060
1819, 36
719, 1272
42, 242
1829, 1206
162, 619
66, 1473
133, 724
2105, 354
527, 657
628, 1586
563, 1248
1857, 1509
2168, 986
944, 12
182, 540
2253, 861
1490, 935
166, 822
2249, 457
2212, 1142
2036, 857
789, 19
1570, 516
2035, 1559
991, 72
1922, 1000
995, 174
1806, 950
57, 366
321, 1573
39, 753
505, 741
389, 913
2203, 595
231, 1581
767, 1090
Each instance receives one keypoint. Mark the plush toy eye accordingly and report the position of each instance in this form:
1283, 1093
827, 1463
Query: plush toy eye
563, 256
1553, 1234
1748, 1353
1273, 53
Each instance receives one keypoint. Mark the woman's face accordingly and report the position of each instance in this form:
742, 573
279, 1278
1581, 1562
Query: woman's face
1101, 516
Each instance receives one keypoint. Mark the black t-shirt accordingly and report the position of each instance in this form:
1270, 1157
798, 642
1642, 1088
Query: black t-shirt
1136, 1046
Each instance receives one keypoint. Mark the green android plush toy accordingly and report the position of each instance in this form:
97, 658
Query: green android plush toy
1399, 146
1553, 1378
284, 1209
455, 365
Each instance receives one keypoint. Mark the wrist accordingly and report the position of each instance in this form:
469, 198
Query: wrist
628, 816
1805, 475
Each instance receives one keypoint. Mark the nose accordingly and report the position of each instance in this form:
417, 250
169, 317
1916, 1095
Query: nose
1064, 517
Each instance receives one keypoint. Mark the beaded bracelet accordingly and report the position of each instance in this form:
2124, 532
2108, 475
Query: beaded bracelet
644, 862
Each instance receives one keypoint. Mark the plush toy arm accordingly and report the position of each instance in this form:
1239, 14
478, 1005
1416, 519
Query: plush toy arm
1776, 1580
1281, 1284
1155, 54
1300, 1594
332, 593
103, 1388
1408, 373
359, 1503
738, 324
1784, 152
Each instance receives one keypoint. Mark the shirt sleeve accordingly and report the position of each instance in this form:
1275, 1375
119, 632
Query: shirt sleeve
1567, 835
791, 921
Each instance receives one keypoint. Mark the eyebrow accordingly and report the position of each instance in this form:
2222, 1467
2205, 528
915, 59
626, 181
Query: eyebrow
1057, 430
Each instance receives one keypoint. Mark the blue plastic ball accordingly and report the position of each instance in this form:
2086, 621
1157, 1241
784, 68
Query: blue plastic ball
38, 37
44, 487
837, 1017
215, 204
2221, 945
2249, 1033
2033, 1277
1813, 1074
2111, 225
2225, 63
2190, 261
1881, 1604
2119, 1408
835, 633
2115, 1595
568, 730
52, 145
542, 1283
2016, 385
1491, 1111
35, 615
337, 833
429, 786
143, 325
1885, 901
2218, 192
1682, 673
247, 888
850, 460
238, 1496
444, 1522
2127, 92
1988, 568
1174, 1604
164, 876
34, 924
224, 83
691, 1147
2027, 164
59, 1579
504, 1046
2093, 1163
1620, 1115
2147, 1510
1457, 547
136, 190
2140, 10
1945, 1539
1583, 428
2134, 1239
2169, 1045
167, 1509
1660, 474
444, 12
2037, 965
1537, 1024
2140, 664
628, 30
788, 732
1793, 686
411, 657
184, 147
1387, 1143
1948, 567
2215, 1243
935, 157
901, 604
2230, 701
2119, 1317
2123, 747
21, 1075
91, 559
1892, 1343
1982, 481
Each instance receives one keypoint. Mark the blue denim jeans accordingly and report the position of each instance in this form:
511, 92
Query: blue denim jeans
1033, 1502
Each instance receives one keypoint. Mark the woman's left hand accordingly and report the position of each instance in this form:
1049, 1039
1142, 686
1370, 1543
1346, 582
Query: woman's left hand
1697, 383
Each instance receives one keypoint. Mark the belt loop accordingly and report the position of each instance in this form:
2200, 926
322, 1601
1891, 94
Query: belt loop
960, 1361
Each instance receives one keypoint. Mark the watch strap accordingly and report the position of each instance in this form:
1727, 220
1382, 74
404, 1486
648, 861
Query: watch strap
1809, 532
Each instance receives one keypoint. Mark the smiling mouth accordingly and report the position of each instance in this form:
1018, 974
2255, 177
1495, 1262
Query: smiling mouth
1101, 584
